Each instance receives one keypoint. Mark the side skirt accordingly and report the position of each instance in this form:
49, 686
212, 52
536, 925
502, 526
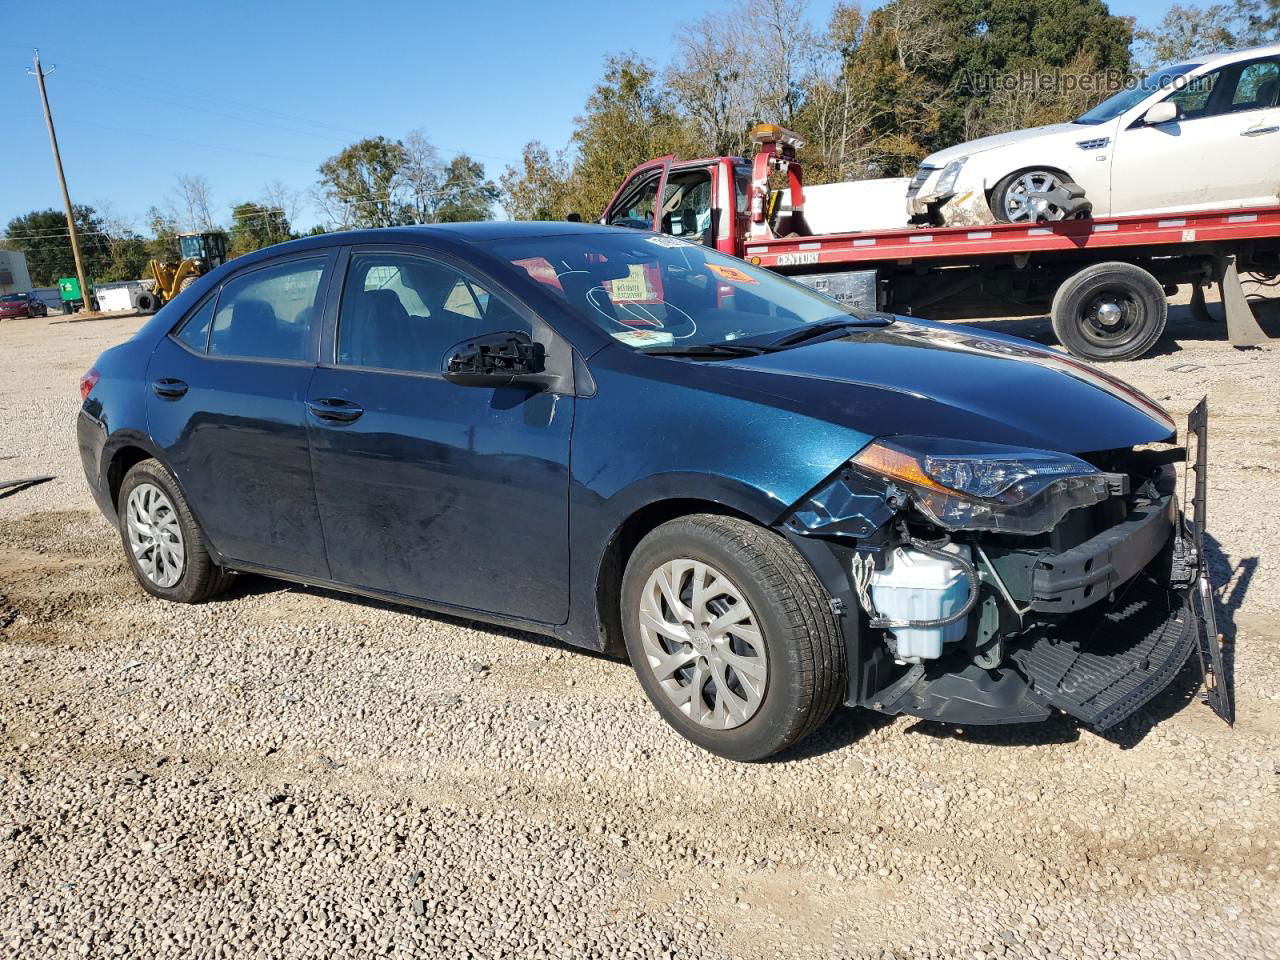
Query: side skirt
463, 613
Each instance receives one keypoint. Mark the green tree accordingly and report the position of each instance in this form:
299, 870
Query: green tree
359, 187
465, 194
1189, 31
1020, 38
127, 259
629, 118
163, 245
256, 225
43, 238
539, 188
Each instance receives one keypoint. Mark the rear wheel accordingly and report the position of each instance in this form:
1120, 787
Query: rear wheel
1110, 311
731, 635
165, 546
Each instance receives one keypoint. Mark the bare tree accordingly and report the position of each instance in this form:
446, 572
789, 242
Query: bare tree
191, 203
284, 200
782, 46
712, 81
837, 112
923, 39
421, 176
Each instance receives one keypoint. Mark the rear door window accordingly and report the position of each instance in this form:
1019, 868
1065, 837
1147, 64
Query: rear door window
269, 313
1257, 87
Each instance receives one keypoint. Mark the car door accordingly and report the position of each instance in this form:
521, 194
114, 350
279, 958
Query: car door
637, 204
1223, 149
225, 405
452, 494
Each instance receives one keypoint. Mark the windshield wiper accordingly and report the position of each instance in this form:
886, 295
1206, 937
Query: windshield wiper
712, 350
823, 328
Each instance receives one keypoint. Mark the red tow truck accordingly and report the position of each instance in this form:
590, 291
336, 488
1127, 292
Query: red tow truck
1104, 281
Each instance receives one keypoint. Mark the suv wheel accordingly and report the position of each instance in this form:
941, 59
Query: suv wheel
164, 544
731, 635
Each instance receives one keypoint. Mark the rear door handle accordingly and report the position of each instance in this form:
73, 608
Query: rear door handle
335, 409
169, 388
1258, 131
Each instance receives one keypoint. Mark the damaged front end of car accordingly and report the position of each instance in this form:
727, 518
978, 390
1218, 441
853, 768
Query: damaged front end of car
992, 584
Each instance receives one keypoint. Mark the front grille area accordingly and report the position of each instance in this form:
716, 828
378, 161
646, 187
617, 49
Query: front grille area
919, 180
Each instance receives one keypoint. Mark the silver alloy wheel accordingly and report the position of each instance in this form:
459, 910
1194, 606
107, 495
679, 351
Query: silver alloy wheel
155, 536
1019, 207
703, 644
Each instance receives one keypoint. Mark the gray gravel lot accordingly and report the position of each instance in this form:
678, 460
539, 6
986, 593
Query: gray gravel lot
286, 772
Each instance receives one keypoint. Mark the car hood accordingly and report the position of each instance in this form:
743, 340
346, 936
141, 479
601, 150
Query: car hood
943, 157
925, 379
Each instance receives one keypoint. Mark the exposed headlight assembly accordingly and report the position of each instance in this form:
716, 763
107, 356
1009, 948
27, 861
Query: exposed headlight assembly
950, 173
963, 485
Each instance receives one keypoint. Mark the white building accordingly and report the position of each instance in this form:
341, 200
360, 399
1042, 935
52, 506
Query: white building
13, 272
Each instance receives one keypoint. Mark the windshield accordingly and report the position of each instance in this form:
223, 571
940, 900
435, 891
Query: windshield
12, 296
654, 292
1129, 98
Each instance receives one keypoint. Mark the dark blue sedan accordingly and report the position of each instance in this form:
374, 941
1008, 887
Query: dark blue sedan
770, 503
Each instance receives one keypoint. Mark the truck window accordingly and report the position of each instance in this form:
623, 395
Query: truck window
637, 207
686, 206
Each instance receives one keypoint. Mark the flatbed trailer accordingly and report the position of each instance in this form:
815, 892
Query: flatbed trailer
1104, 281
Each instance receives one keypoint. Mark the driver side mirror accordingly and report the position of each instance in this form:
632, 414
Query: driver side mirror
1162, 112
498, 359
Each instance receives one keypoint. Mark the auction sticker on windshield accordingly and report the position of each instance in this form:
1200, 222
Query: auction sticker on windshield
732, 274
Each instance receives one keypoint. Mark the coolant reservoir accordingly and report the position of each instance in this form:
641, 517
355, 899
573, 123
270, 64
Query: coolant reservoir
916, 586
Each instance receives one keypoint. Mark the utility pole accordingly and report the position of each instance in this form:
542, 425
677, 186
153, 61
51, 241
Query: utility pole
62, 182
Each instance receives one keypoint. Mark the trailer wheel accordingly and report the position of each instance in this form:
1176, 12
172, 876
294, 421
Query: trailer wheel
1109, 311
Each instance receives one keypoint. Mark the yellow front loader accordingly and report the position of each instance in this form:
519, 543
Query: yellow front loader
200, 253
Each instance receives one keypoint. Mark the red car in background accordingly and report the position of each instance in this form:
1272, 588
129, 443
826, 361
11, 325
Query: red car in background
22, 305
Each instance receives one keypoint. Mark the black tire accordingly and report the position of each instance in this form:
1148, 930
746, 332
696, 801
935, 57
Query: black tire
146, 303
803, 648
996, 200
1081, 328
187, 281
201, 578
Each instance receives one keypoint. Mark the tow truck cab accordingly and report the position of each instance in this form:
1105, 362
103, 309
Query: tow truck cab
723, 202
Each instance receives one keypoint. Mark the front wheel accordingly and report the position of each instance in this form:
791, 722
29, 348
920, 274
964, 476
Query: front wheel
164, 544
1110, 311
1015, 200
731, 635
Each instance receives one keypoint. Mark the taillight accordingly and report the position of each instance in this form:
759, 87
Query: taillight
87, 382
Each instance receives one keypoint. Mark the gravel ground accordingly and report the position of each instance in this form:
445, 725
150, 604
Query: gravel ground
291, 773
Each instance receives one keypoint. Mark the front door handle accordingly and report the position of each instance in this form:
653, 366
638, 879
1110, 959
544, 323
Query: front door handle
1258, 131
335, 409
169, 388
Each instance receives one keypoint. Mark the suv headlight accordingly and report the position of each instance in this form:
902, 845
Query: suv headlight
963, 485
947, 182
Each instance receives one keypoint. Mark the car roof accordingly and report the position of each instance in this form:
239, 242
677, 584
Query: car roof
443, 234
1231, 56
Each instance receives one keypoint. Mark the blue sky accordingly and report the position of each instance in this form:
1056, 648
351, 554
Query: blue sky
265, 91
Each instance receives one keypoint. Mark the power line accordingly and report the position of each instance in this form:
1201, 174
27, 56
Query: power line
152, 82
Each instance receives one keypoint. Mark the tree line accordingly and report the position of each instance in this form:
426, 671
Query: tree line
871, 92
